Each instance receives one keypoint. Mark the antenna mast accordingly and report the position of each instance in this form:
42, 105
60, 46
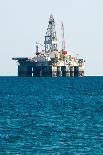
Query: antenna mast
63, 40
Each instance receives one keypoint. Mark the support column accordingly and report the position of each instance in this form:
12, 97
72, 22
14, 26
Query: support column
81, 71
59, 72
63, 68
71, 71
29, 71
54, 71
68, 71
76, 71
36, 71
22, 71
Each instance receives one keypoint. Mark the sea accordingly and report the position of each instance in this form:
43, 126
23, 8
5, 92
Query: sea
51, 116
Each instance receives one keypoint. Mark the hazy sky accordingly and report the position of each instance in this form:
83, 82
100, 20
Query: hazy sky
22, 22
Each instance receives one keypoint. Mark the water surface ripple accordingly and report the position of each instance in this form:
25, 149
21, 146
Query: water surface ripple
51, 116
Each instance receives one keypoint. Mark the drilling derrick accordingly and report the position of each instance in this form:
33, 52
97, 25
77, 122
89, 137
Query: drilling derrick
51, 38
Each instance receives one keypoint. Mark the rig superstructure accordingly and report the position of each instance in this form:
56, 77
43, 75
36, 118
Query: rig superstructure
51, 62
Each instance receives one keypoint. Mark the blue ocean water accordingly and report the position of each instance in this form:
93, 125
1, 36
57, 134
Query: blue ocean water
51, 116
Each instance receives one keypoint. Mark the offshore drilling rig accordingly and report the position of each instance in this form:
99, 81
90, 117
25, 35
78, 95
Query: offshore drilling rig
51, 62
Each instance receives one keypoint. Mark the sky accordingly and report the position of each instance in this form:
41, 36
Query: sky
23, 22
